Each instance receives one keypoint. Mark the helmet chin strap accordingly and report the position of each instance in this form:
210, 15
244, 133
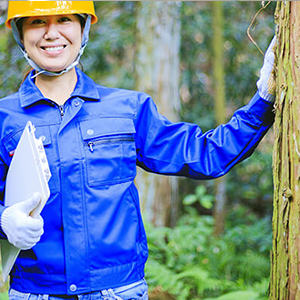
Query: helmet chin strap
39, 70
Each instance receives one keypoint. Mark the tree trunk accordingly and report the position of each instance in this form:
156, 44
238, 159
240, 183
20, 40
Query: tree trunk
285, 259
219, 100
157, 73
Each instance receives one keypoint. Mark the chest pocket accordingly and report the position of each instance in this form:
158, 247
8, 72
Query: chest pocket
109, 149
42, 132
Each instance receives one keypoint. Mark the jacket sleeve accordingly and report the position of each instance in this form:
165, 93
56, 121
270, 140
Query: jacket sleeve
183, 149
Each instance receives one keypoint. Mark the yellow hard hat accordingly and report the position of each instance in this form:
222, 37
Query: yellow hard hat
20, 9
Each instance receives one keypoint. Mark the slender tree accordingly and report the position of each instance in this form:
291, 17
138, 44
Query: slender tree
157, 73
285, 257
219, 100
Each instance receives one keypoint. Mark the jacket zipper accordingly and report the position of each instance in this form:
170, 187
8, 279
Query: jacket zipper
106, 141
62, 110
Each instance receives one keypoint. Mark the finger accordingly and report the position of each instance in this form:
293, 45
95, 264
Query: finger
33, 237
34, 224
25, 245
30, 204
34, 234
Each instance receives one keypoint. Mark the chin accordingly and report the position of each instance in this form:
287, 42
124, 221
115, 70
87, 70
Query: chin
54, 70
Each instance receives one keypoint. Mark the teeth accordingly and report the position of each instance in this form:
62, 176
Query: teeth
52, 49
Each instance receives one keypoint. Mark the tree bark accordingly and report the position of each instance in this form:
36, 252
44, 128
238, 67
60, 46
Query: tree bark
285, 258
219, 100
157, 73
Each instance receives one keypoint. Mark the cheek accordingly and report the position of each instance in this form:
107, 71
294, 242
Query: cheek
76, 37
76, 41
29, 39
75, 33
26, 42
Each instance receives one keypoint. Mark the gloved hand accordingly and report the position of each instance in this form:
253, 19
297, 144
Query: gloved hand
22, 230
266, 84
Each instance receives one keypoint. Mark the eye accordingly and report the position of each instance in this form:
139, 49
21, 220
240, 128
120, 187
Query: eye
65, 19
37, 22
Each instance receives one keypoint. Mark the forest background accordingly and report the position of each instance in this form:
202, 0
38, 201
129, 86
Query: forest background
189, 261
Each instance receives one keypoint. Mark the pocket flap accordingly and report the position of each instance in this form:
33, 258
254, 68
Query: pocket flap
11, 143
43, 133
91, 129
40, 132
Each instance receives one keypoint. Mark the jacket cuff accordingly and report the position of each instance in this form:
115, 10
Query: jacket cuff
2, 234
261, 108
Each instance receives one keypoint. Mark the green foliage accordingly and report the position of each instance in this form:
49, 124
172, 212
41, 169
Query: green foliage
245, 295
4, 296
189, 262
253, 181
199, 279
109, 56
175, 256
12, 64
200, 196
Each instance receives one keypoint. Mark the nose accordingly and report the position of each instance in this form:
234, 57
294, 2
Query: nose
52, 32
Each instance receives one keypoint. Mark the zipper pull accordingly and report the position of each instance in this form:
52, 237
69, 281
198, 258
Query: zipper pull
61, 109
90, 144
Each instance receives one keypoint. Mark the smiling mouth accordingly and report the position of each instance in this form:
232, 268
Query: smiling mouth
53, 49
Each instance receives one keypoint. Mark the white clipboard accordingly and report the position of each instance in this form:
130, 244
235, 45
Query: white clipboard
28, 173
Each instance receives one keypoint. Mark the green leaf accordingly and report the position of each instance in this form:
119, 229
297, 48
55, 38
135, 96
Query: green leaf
200, 190
189, 199
207, 201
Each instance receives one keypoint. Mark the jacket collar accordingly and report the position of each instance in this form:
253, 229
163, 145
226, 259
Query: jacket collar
85, 88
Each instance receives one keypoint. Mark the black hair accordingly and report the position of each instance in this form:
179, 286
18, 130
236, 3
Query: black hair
19, 23
82, 20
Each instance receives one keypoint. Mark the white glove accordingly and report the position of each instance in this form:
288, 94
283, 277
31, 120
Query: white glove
22, 230
266, 84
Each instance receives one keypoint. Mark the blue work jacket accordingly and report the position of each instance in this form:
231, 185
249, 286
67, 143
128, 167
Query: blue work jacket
94, 237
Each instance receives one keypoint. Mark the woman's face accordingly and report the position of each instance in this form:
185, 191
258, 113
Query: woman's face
52, 42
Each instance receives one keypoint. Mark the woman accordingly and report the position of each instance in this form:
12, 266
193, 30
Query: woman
90, 240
